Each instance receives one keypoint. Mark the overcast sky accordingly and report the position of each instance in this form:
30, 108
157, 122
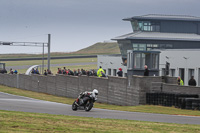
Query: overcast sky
76, 24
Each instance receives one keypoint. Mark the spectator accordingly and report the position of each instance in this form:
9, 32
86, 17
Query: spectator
120, 72
79, 72
192, 81
89, 73
15, 72
100, 71
70, 72
33, 71
45, 72
59, 71
37, 71
146, 71
75, 73
11, 71
49, 71
94, 73
103, 74
83, 71
180, 81
64, 71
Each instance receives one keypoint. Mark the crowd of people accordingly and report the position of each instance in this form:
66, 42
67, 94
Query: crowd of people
99, 73
13, 72
77, 72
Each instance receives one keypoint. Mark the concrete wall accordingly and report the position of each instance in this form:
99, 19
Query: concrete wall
174, 88
112, 90
171, 88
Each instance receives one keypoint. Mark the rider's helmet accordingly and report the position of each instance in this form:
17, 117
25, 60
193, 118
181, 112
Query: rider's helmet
95, 91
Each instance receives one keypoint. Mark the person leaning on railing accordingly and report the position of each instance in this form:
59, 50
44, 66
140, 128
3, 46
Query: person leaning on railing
180, 81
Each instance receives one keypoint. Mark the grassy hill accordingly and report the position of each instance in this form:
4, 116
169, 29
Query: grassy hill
98, 48
101, 48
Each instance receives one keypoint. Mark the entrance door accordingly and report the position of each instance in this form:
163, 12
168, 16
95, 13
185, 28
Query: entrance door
190, 73
182, 73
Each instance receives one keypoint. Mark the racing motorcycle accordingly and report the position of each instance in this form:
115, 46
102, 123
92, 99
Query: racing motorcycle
85, 101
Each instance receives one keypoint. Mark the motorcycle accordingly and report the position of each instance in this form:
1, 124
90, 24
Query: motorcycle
83, 105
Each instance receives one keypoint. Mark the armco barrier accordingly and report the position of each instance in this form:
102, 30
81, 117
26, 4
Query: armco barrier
112, 90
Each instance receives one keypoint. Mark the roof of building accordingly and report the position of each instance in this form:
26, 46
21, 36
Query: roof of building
159, 36
163, 17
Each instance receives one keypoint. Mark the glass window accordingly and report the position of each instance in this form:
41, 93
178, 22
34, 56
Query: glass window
149, 45
135, 25
124, 46
172, 72
145, 26
109, 71
149, 49
162, 46
143, 60
140, 25
135, 45
140, 47
155, 45
155, 61
137, 60
169, 46
114, 72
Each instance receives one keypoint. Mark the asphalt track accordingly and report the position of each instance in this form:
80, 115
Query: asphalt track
25, 104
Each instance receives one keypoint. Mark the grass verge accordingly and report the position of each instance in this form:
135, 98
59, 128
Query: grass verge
141, 108
11, 121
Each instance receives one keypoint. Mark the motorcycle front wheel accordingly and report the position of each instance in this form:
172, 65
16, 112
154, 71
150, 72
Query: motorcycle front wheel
88, 106
74, 106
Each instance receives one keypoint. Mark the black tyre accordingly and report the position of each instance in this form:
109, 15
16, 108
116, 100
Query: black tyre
74, 106
88, 106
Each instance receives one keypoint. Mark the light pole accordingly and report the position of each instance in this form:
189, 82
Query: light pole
186, 58
49, 42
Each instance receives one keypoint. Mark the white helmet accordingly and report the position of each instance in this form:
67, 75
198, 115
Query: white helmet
95, 91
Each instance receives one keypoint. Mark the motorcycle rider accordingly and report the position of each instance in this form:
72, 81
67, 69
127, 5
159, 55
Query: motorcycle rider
84, 96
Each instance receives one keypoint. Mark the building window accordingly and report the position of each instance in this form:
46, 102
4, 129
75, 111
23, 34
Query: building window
125, 74
109, 71
163, 71
154, 61
168, 46
114, 72
135, 47
162, 46
130, 60
137, 60
190, 73
139, 47
145, 26
172, 72
105, 71
152, 46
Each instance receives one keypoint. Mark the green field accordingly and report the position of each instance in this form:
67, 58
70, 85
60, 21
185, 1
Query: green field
22, 122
